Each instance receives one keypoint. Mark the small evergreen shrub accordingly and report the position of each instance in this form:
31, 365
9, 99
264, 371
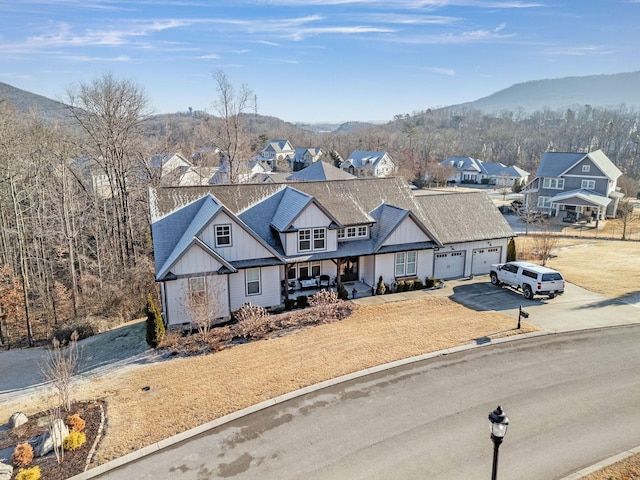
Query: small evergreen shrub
74, 440
511, 250
401, 286
430, 282
289, 304
302, 301
417, 284
22, 455
408, 285
155, 325
32, 473
387, 288
342, 292
381, 288
75, 422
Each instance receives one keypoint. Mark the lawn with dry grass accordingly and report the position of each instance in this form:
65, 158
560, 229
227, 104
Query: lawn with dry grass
187, 392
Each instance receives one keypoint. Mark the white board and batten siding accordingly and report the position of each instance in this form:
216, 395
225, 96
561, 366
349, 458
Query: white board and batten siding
311, 217
177, 291
385, 265
406, 232
243, 245
269, 295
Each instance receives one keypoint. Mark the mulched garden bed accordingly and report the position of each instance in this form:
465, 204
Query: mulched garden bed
74, 461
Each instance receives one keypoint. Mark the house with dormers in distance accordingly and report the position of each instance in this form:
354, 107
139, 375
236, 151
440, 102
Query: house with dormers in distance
303, 157
248, 242
276, 152
471, 170
363, 163
575, 185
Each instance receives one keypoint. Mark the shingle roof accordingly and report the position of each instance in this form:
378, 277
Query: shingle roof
319, 171
363, 158
555, 164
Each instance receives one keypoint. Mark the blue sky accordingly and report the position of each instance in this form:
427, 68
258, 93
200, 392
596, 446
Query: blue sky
315, 60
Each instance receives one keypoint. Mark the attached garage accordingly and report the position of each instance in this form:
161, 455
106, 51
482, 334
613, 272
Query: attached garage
483, 258
449, 265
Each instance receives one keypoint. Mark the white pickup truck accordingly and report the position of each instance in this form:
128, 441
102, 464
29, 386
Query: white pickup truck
530, 278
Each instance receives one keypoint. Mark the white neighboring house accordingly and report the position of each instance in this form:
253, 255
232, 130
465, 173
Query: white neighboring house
363, 163
471, 170
277, 151
245, 243
303, 157
163, 164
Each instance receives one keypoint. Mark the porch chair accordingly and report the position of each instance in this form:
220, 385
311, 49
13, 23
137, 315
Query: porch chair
324, 281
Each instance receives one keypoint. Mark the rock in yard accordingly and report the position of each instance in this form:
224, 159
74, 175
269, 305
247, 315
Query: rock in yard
17, 419
6, 471
53, 437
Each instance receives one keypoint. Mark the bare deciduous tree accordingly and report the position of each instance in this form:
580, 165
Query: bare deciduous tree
59, 367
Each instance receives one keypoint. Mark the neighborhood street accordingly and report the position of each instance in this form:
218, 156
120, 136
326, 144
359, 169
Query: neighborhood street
571, 398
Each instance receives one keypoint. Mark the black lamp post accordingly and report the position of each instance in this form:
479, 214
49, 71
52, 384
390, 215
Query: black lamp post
499, 422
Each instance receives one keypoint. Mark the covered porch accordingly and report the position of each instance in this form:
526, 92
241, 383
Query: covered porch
580, 205
361, 290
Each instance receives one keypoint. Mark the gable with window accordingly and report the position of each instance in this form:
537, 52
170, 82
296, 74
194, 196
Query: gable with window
312, 239
197, 288
586, 168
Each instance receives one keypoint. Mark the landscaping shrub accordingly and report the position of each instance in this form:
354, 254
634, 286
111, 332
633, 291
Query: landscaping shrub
387, 288
22, 455
343, 294
253, 321
401, 286
430, 282
155, 325
381, 288
32, 473
75, 422
289, 304
302, 301
83, 329
74, 440
323, 298
417, 284
408, 285
511, 251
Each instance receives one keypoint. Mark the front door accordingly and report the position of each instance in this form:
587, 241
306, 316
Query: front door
349, 269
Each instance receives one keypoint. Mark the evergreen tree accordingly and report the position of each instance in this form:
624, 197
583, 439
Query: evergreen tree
511, 250
155, 325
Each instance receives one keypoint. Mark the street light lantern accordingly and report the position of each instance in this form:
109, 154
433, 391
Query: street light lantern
499, 423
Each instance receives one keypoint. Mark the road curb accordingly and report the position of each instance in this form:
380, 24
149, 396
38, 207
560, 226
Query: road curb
602, 464
186, 435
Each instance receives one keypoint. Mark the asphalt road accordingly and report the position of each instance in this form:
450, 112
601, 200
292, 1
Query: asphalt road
571, 398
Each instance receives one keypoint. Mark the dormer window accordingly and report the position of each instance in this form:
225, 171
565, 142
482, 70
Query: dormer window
351, 233
305, 236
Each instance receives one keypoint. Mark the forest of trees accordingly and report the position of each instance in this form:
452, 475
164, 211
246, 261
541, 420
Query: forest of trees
75, 246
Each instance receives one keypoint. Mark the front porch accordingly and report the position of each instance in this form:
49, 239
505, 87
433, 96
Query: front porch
361, 290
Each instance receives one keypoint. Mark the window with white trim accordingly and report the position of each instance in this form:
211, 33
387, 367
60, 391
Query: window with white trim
197, 288
586, 168
544, 202
349, 233
362, 231
252, 278
304, 240
319, 238
308, 269
553, 183
588, 184
406, 264
223, 235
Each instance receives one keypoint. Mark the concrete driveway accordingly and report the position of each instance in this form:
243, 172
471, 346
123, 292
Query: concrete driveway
577, 309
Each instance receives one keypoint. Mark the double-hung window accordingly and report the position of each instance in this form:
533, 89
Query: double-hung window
304, 240
223, 235
553, 183
252, 277
588, 184
319, 238
406, 264
197, 288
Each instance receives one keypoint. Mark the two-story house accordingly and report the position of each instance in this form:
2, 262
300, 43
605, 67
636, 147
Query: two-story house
245, 243
576, 185
363, 163
303, 157
276, 152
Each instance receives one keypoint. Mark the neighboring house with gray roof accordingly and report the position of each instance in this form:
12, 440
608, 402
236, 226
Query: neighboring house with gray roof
277, 151
319, 171
576, 185
363, 163
471, 170
303, 157
243, 243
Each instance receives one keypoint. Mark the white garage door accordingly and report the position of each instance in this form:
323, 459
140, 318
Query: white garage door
483, 258
448, 265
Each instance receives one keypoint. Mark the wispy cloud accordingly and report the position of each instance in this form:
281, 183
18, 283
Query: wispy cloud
584, 51
314, 31
471, 36
211, 56
441, 71
271, 44
84, 58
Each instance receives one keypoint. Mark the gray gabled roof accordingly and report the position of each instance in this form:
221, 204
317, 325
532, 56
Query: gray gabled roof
319, 171
447, 217
588, 196
292, 203
555, 164
364, 158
